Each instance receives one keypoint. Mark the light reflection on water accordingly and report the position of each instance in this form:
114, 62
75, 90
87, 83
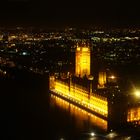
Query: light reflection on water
80, 114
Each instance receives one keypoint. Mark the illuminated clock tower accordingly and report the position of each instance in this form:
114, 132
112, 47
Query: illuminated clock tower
82, 64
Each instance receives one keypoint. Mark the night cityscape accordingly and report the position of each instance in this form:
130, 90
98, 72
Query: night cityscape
70, 70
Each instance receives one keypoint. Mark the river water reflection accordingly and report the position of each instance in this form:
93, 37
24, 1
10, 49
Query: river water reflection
81, 116
85, 122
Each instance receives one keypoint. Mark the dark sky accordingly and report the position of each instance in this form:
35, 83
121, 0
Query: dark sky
69, 12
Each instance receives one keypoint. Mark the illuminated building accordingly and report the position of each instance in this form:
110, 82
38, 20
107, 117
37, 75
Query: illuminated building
76, 92
133, 114
52, 82
95, 103
82, 64
102, 79
103, 99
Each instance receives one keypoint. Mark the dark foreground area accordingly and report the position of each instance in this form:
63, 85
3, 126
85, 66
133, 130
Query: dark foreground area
23, 106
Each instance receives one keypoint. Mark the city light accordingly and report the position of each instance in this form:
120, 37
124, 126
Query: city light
137, 93
61, 138
90, 77
112, 77
111, 135
92, 134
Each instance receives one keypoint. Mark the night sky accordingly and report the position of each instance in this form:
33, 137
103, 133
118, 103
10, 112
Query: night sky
70, 12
